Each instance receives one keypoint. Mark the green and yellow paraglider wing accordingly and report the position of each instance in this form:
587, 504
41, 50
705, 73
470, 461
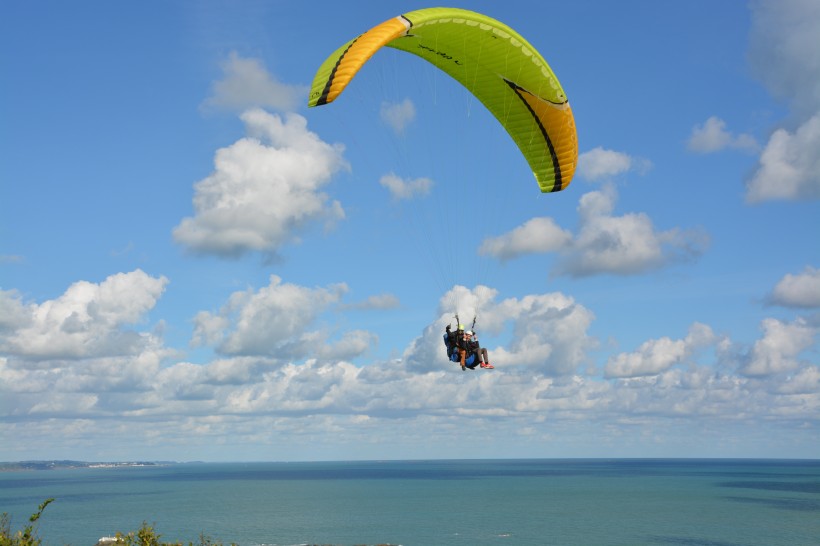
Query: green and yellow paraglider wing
493, 62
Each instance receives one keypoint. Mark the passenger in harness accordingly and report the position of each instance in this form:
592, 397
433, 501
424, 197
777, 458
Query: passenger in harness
475, 348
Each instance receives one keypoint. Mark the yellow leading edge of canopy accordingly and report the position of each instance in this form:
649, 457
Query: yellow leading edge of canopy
360, 52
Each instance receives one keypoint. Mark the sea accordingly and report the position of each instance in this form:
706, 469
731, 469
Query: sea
580, 502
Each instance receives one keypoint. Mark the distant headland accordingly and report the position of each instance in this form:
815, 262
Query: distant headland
57, 465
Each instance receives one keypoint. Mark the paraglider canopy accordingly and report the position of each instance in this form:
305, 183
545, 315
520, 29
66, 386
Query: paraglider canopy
493, 62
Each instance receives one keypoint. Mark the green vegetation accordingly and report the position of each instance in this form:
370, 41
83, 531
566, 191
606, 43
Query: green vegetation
144, 536
26, 537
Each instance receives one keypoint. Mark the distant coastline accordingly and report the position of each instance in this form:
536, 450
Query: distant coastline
57, 465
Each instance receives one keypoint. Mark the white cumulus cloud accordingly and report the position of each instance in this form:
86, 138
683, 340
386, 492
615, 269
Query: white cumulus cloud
801, 290
266, 188
246, 83
784, 51
780, 347
805, 381
402, 189
604, 244
713, 136
351, 345
379, 301
13, 312
398, 115
89, 320
623, 245
658, 355
272, 321
600, 163
789, 166
543, 380
537, 235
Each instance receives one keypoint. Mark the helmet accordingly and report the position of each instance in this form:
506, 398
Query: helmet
460, 326
469, 332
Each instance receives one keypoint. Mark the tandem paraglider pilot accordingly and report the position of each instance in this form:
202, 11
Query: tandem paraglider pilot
464, 348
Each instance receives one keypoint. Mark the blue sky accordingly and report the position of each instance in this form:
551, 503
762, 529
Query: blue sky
194, 266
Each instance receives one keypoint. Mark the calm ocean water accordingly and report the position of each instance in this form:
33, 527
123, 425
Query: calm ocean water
509, 502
